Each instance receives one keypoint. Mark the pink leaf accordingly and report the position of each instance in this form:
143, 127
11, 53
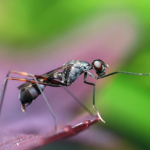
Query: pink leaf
32, 141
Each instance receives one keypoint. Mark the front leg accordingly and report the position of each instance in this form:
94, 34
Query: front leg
85, 76
90, 74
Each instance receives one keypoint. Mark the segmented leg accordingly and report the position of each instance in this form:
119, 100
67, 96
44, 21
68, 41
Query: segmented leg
82, 105
123, 72
85, 76
26, 80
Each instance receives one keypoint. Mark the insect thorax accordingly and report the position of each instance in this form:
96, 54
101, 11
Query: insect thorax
73, 69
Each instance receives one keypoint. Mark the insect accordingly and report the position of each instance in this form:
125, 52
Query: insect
71, 70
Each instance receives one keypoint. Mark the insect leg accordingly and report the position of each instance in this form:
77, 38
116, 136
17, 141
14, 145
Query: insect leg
46, 102
2, 93
5, 84
26, 74
85, 76
30, 75
140, 74
77, 100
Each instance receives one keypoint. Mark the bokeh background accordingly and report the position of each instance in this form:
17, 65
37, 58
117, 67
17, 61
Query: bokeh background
37, 36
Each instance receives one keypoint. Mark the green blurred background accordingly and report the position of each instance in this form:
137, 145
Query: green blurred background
124, 100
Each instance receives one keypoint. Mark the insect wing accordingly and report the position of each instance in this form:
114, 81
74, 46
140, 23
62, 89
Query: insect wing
24, 85
50, 73
46, 75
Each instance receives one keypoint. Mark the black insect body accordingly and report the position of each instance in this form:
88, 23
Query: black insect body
32, 88
28, 94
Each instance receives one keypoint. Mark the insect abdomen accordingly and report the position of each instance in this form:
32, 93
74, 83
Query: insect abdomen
30, 93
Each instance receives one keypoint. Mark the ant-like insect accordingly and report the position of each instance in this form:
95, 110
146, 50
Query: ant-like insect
32, 88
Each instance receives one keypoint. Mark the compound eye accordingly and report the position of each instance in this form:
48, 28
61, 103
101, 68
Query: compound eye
97, 65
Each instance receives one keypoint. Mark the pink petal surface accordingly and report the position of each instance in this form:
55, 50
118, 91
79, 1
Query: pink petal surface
33, 140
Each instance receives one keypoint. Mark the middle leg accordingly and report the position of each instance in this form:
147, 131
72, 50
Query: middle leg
82, 105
